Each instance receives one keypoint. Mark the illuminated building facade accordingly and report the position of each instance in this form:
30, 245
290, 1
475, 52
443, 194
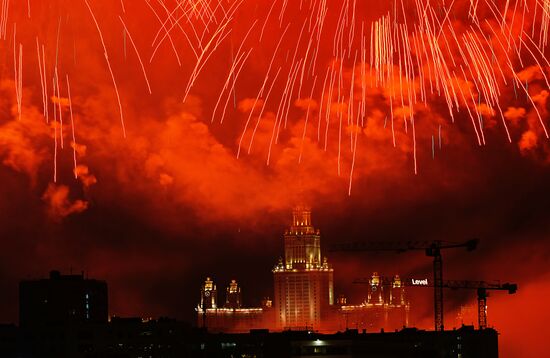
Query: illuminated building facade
384, 307
232, 317
304, 294
304, 291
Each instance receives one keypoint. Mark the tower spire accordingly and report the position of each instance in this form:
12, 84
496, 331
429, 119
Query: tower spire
301, 220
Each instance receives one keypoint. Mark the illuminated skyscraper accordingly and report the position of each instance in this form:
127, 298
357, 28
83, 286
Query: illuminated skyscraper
304, 292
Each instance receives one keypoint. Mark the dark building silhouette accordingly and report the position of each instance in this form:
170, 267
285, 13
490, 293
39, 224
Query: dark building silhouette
166, 338
53, 312
62, 299
8, 340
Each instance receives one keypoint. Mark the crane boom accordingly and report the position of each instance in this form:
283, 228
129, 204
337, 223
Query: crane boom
402, 246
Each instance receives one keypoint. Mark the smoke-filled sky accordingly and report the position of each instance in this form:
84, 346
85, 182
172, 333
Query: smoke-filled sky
153, 143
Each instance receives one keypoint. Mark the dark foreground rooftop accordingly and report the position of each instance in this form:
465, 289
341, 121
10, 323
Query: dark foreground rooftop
134, 337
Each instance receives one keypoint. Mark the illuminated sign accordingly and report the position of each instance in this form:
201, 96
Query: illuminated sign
423, 282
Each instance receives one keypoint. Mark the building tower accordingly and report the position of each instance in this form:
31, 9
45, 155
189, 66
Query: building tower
397, 292
233, 295
304, 291
209, 295
375, 295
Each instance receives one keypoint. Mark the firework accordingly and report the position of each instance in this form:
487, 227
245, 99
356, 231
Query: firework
416, 54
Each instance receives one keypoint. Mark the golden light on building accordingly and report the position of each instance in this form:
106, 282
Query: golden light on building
209, 294
304, 293
304, 289
233, 295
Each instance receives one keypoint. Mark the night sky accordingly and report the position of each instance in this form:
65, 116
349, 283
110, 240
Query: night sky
180, 191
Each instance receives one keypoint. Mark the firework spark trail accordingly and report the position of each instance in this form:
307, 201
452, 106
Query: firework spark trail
233, 74
57, 97
329, 102
340, 101
505, 26
266, 20
282, 104
54, 124
219, 35
46, 115
260, 92
472, 12
41, 76
176, 22
545, 22
73, 144
319, 27
413, 58
322, 102
262, 110
524, 88
468, 108
363, 75
524, 4
230, 78
288, 100
137, 53
110, 68
497, 102
351, 100
353, 158
305, 122
4, 19
167, 34
18, 71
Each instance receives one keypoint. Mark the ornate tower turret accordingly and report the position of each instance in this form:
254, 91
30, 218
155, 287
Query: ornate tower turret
397, 292
233, 296
375, 295
209, 295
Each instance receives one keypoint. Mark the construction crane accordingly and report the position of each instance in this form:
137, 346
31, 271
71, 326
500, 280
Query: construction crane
431, 248
480, 286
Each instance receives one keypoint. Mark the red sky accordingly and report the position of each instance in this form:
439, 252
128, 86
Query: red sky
155, 211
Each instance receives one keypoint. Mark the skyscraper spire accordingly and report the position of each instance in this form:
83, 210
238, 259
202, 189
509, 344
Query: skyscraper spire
302, 241
301, 220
